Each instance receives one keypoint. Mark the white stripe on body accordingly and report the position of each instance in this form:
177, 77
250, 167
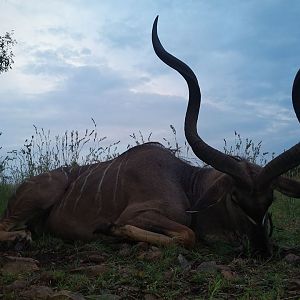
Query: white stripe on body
116, 184
83, 186
98, 193
64, 200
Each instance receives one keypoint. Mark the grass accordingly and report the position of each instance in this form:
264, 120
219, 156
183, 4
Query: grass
286, 213
133, 270
5, 192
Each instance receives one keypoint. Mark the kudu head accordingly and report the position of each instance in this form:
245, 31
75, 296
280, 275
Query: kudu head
247, 187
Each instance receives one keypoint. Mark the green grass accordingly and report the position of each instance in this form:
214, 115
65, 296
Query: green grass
5, 192
286, 215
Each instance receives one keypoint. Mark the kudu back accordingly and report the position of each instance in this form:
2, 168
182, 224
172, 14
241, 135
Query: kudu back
147, 194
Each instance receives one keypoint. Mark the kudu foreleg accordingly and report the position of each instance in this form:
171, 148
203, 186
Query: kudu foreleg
7, 235
29, 202
155, 229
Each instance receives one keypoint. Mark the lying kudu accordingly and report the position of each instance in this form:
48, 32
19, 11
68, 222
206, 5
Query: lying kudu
146, 194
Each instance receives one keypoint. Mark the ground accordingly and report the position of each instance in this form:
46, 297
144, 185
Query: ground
119, 270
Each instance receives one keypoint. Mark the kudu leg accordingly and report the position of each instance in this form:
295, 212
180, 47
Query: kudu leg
155, 229
31, 200
141, 235
13, 227
7, 235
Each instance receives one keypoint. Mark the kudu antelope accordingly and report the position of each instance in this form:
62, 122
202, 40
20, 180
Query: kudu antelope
146, 194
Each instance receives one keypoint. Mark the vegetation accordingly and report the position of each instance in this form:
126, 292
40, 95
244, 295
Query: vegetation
247, 149
114, 269
6, 54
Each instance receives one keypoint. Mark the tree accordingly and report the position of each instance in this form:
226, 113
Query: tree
6, 55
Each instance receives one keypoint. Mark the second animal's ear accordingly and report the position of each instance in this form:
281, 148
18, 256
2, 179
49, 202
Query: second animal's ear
214, 194
287, 186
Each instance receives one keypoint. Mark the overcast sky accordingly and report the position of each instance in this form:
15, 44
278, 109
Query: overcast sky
80, 59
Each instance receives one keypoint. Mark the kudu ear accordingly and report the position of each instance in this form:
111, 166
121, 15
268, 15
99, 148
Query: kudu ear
214, 194
287, 186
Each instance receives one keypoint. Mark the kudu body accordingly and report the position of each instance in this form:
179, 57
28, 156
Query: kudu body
147, 194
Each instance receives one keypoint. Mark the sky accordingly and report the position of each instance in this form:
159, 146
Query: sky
77, 60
